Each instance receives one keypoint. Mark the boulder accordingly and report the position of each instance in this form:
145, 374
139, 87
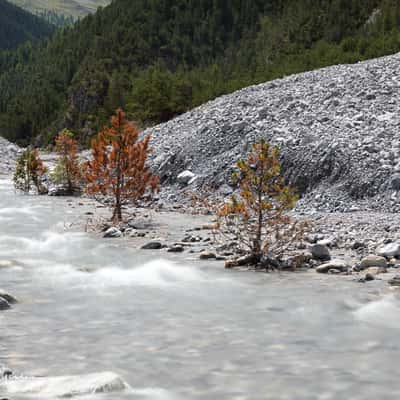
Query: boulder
373, 261
186, 177
112, 233
339, 265
320, 252
390, 250
154, 245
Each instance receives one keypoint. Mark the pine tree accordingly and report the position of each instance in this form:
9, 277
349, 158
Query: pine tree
119, 165
28, 172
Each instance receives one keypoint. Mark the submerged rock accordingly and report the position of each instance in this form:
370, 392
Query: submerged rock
8, 297
4, 304
153, 246
64, 386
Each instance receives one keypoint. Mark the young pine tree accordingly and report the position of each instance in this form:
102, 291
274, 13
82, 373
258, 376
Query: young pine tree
259, 218
118, 167
67, 172
29, 171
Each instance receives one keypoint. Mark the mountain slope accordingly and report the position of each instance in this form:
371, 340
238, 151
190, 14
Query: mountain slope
160, 58
75, 8
338, 129
18, 26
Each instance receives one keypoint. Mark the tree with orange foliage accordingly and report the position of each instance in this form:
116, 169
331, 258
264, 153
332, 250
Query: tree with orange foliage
29, 171
119, 164
258, 218
67, 172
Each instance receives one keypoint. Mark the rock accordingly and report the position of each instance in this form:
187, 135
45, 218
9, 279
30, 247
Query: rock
390, 250
112, 233
176, 249
64, 386
8, 297
339, 265
320, 252
185, 177
376, 270
154, 245
373, 261
4, 304
395, 281
207, 255
369, 277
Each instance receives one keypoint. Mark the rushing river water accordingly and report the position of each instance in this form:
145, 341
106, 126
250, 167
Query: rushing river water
186, 330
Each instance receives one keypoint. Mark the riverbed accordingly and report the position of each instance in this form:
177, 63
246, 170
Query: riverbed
176, 328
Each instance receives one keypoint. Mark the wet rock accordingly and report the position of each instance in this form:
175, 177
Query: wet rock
207, 255
373, 261
4, 304
339, 265
112, 233
8, 297
176, 249
395, 281
390, 250
320, 252
153, 245
369, 277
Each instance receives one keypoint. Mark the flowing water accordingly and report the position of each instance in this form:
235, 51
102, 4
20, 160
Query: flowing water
179, 329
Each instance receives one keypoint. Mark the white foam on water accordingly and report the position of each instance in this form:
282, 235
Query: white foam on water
48, 242
65, 386
158, 273
384, 312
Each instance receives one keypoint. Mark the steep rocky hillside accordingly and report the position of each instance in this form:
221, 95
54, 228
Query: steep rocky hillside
9, 153
338, 129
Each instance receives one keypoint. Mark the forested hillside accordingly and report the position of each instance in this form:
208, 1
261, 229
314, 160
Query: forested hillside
159, 58
18, 26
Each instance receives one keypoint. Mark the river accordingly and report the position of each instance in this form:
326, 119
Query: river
178, 329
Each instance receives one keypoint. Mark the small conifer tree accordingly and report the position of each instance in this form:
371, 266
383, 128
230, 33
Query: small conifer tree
29, 171
67, 172
118, 167
258, 217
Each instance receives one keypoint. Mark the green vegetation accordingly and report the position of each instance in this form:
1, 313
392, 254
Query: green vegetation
158, 58
18, 26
